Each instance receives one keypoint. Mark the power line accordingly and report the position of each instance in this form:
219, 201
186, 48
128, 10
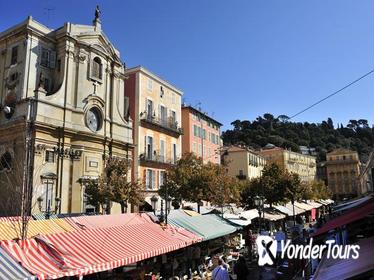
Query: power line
332, 94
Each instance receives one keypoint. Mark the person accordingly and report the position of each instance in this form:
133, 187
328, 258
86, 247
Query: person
248, 243
225, 264
220, 272
279, 236
241, 269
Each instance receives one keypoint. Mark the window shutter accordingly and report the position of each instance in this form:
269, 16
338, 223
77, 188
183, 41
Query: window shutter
52, 61
153, 179
145, 145
146, 178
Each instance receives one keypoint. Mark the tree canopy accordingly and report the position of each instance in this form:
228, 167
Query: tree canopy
115, 185
324, 137
277, 185
192, 180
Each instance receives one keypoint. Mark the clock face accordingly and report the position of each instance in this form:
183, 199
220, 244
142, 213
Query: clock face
93, 119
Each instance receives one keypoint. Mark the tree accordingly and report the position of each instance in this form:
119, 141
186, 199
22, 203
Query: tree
293, 189
316, 190
192, 180
114, 185
356, 135
270, 185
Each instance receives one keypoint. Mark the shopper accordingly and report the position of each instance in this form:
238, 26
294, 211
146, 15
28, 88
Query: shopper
241, 269
220, 272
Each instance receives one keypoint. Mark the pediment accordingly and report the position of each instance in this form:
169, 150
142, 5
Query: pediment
99, 42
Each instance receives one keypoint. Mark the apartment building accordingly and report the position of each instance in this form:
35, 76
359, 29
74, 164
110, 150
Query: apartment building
155, 108
201, 135
242, 162
343, 171
303, 165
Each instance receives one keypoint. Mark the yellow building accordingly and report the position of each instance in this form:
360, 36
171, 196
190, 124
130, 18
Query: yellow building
62, 113
242, 163
303, 165
155, 107
343, 170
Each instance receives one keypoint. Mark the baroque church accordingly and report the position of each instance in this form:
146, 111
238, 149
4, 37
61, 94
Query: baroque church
62, 113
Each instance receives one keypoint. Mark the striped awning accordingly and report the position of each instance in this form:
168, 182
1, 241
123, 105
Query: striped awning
304, 206
9, 269
271, 215
105, 221
93, 250
12, 229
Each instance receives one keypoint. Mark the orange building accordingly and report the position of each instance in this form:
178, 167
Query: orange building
155, 108
201, 135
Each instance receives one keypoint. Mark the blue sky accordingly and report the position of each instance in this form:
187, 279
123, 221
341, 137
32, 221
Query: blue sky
239, 58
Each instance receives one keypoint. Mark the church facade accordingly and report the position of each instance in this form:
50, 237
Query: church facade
62, 113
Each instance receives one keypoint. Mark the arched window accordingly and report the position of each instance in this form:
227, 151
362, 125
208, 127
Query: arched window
6, 161
97, 68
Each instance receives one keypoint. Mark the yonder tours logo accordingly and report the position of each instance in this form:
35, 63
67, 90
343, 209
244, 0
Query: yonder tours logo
267, 250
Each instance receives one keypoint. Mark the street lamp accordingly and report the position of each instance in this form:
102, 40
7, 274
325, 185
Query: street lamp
48, 212
162, 216
259, 204
154, 200
105, 207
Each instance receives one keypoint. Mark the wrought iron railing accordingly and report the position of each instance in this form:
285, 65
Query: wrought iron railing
168, 123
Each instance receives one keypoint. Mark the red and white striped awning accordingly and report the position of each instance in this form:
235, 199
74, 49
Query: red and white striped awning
94, 250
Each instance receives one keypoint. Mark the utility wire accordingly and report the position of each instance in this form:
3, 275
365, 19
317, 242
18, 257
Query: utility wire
332, 94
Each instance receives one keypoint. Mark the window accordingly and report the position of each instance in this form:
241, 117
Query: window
241, 173
195, 131
149, 108
162, 178
162, 150
174, 159
150, 85
173, 117
204, 134
14, 56
149, 146
49, 156
48, 58
150, 179
163, 114
97, 68
173, 98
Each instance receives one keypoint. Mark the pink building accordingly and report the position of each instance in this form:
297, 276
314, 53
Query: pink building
201, 135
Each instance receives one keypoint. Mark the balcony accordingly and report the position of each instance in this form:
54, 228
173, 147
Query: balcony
155, 160
168, 126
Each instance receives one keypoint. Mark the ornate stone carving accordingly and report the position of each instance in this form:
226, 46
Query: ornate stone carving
68, 153
39, 149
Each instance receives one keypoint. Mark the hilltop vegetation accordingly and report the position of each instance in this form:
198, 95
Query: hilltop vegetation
324, 137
